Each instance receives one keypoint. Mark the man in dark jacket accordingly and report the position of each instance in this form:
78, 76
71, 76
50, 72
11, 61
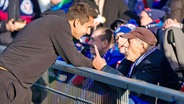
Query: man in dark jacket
36, 48
148, 63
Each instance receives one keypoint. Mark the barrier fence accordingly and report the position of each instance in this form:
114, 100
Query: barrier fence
106, 88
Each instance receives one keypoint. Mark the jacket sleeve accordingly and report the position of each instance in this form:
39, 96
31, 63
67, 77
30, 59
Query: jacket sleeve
111, 70
3, 26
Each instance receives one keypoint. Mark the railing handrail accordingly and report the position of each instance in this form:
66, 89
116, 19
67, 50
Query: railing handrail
123, 82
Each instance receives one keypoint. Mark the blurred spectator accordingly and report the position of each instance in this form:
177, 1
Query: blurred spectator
103, 38
149, 64
20, 11
152, 19
25, 9
8, 28
177, 11
11, 25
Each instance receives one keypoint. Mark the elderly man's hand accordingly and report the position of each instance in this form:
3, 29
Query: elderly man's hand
98, 61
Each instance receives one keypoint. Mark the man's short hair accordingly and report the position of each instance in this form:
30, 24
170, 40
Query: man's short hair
106, 34
81, 11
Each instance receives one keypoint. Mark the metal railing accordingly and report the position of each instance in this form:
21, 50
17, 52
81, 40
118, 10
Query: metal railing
121, 82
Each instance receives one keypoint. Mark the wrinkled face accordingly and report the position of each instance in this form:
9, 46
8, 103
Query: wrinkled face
82, 29
131, 48
95, 40
145, 19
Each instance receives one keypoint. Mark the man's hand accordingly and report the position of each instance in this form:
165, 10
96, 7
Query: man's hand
98, 61
15, 25
10, 26
172, 22
19, 24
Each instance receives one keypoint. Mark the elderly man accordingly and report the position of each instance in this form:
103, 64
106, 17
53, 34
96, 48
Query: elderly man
149, 64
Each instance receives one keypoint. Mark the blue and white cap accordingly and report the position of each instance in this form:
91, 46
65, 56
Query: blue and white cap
124, 29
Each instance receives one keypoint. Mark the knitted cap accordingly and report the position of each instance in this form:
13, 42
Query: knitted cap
155, 14
143, 34
124, 29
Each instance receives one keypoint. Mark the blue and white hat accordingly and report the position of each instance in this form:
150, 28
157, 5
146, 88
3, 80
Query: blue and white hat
124, 29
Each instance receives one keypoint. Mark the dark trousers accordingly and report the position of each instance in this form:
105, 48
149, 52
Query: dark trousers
11, 91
